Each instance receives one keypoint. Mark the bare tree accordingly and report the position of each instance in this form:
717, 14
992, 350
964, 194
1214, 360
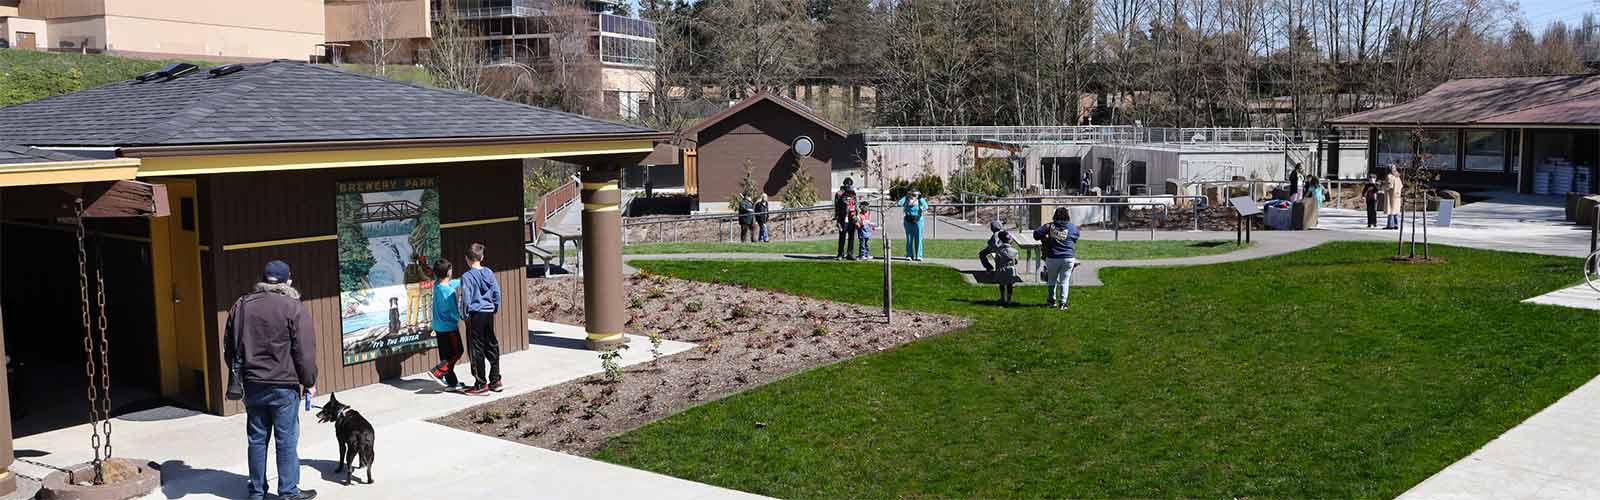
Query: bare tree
456, 60
376, 26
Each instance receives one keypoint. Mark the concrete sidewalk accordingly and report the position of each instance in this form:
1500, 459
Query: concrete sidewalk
203, 456
1266, 244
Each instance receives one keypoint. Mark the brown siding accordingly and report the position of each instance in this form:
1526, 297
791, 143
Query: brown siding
762, 134
258, 207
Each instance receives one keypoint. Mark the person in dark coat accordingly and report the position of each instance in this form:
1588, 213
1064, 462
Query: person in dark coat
1369, 194
1087, 182
844, 216
747, 219
762, 217
270, 346
1294, 182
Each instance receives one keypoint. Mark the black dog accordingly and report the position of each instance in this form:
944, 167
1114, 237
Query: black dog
355, 435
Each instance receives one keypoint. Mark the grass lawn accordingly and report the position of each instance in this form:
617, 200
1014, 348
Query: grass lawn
1326, 373
951, 249
27, 75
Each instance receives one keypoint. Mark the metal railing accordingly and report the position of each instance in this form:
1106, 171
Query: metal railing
1111, 212
1267, 138
728, 222
1199, 201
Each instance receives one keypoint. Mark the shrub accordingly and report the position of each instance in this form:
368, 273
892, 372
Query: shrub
991, 177
800, 191
929, 184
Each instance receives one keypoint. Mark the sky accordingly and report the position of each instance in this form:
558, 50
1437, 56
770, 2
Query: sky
1542, 12
1537, 12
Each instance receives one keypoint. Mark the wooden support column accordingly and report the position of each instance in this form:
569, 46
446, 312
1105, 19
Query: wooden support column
8, 481
604, 315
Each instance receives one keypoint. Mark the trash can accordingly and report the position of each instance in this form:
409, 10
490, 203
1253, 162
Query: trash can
1444, 194
1585, 215
1304, 215
1276, 218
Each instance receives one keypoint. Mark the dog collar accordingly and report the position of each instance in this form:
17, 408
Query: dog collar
342, 411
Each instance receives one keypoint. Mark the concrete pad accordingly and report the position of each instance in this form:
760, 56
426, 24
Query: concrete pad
204, 455
1580, 297
417, 459
1553, 454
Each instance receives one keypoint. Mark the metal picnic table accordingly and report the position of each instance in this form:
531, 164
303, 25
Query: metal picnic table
562, 238
1030, 250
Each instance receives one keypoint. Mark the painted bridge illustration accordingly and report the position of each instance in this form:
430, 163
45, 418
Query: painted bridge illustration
388, 210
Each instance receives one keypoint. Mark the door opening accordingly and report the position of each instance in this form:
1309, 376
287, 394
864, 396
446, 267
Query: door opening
178, 299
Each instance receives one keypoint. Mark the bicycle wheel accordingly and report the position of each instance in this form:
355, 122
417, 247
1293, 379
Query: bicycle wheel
1591, 271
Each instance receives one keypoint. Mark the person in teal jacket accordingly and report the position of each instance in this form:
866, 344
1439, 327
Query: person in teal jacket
915, 206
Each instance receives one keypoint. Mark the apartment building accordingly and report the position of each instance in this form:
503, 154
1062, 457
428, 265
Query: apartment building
618, 51
191, 29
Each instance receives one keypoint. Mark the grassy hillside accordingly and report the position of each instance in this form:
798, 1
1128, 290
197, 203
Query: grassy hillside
27, 75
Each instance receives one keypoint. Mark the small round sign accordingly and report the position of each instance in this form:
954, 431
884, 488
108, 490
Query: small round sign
803, 146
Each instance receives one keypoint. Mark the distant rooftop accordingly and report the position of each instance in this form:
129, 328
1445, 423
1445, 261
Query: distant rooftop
1499, 101
283, 101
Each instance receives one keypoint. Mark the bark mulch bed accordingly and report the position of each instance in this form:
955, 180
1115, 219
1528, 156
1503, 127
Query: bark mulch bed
746, 337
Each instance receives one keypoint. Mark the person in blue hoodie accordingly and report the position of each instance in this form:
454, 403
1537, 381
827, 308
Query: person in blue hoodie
914, 205
480, 296
1059, 239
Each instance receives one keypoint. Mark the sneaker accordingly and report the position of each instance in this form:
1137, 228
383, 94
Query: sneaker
459, 387
476, 390
1050, 302
438, 376
496, 386
303, 495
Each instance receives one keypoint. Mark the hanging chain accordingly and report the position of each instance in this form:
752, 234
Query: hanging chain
105, 342
88, 350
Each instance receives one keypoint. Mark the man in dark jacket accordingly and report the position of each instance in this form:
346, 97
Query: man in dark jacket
747, 218
844, 215
270, 343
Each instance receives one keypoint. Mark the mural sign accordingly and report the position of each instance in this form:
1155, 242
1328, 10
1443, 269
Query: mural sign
388, 239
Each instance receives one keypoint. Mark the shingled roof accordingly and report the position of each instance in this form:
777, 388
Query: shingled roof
281, 101
11, 154
1534, 100
792, 105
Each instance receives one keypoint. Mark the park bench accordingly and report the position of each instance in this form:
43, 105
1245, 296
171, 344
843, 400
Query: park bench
532, 251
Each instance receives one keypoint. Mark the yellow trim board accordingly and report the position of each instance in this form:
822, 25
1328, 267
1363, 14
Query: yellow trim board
452, 225
600, 186
333, 237
64, 172
304, 160
282, 242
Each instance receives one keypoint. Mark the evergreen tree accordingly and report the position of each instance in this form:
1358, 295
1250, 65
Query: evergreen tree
425, 237
355, 258
800, 191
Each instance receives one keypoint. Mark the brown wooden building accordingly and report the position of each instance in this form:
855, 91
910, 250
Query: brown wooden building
773, 134
1537, 134
251, 160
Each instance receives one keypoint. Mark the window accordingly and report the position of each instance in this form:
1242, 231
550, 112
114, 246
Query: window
1486, 151
1136, 174
1394, 147
1059, 173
